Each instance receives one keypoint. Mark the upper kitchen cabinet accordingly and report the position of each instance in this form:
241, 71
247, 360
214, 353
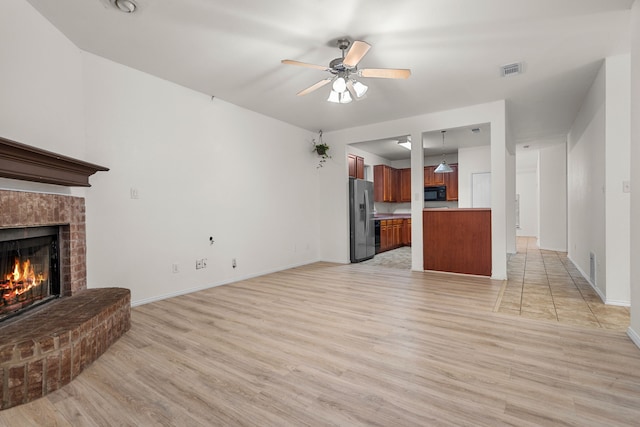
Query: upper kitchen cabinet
356, 166
451, 181
405, 185
385, 184
431, 178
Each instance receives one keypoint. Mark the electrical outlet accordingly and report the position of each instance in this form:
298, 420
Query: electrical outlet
204, 263
198, 264
233, 263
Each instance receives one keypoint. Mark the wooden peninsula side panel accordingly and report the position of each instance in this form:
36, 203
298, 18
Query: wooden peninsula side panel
457, 240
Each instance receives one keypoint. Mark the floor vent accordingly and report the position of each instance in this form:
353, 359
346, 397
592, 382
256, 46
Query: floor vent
592, 268
511, 69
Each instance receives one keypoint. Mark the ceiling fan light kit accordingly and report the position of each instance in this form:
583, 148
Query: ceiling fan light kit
345, 71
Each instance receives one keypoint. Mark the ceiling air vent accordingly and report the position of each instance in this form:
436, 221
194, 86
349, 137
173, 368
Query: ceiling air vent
511, 69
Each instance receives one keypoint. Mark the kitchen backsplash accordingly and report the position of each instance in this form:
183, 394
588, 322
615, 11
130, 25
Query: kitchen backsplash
391, 208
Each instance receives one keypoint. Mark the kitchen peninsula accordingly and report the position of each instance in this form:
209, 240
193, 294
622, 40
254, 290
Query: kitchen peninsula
457, 240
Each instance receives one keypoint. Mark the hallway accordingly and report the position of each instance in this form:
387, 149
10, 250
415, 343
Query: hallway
546, 285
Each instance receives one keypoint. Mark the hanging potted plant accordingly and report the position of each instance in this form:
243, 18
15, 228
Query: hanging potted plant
321, 149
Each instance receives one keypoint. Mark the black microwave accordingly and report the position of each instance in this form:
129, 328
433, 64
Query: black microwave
435, 194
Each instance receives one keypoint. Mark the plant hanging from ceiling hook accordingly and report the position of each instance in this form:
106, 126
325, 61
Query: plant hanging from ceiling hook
321, 149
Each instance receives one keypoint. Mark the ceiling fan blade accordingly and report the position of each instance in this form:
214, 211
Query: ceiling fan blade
356, 52
314, 87
385, 73
304, 64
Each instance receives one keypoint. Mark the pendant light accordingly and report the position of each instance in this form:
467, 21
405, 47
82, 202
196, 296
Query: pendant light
443, 167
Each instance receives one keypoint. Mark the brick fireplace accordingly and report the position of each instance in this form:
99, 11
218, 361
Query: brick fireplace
24, 209
46, 347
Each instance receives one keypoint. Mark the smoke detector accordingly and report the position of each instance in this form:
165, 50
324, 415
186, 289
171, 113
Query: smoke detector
511, 69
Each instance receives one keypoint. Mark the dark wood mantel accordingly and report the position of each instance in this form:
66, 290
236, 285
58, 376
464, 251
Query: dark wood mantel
20, 161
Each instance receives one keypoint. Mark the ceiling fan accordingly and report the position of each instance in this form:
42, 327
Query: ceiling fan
344, 73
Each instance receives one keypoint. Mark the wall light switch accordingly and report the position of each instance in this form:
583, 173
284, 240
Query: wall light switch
626, 186
134, 193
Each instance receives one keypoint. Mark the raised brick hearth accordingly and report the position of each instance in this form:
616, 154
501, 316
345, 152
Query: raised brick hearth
46, 348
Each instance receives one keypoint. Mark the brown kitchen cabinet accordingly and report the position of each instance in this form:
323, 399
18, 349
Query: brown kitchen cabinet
406, 232
383, 236
386, 235
394, 233
385, 183
397, 233
451, 182
356, 166
405, 185
431, 178
457, 240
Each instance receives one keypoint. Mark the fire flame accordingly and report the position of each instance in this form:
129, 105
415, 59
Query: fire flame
21, 280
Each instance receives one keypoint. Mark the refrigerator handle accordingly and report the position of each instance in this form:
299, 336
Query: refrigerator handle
366, 211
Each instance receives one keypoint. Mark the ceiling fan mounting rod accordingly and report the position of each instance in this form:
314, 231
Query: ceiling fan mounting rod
343, 44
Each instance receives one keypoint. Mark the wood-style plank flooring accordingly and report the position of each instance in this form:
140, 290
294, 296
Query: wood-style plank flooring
348, 345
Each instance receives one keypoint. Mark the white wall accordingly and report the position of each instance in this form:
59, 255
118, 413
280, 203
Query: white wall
200, 171
334, 190
634, 328
617, 165
552, 175
585, 183
527, 188
598, 209
40, 90
471, 160
370, 160
198, 168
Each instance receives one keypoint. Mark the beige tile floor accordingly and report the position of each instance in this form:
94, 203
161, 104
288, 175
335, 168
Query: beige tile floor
546, 285
397, 258
542, 285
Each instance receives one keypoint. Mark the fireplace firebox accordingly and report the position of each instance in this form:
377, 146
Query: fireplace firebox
29, 270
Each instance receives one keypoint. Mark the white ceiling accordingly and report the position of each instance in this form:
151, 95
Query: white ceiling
432, 142
231, 49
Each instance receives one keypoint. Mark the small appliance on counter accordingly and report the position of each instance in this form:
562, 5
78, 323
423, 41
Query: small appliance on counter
361, 222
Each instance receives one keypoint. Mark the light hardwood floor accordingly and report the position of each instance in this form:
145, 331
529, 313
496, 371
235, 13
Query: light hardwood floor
348, 345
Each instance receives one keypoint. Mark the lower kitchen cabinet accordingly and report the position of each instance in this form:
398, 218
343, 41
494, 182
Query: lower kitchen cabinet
394, 233
406, 232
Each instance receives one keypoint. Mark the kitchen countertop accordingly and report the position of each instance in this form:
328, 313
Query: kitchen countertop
380, 216
456, 209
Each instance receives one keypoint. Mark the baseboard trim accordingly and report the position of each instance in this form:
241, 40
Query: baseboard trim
586, 277
209, 286
618, 303
634, 336
603, 298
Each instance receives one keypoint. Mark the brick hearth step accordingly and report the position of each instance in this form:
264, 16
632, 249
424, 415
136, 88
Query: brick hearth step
42, 350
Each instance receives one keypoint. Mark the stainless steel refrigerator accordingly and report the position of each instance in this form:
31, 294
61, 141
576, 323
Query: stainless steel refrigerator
361, 220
